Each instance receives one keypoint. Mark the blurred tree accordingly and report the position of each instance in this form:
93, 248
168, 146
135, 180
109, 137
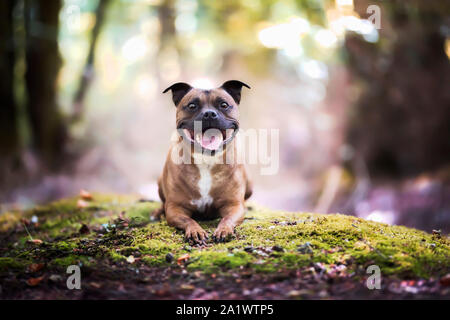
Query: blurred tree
8, 121
166, 14
88, 71
43, 63
400, 124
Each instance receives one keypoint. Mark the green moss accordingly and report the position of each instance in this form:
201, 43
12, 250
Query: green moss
213, 261
7, 264
301, 240
116, 257
70, 260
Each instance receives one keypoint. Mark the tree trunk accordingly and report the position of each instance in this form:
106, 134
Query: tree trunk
8, 125
43, 63
166, 14
88, 71
400, 124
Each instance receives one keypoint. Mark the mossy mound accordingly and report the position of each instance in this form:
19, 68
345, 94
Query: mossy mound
113, 230
267, 240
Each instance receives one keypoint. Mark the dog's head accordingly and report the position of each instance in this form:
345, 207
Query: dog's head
207, 118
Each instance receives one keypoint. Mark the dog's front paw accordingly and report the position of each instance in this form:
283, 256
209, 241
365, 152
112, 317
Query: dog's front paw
196, 235
223, 233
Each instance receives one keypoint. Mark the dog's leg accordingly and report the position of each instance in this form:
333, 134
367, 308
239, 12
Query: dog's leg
232, 216
180, 218
156, 214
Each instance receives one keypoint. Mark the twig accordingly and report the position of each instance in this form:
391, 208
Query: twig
26, 229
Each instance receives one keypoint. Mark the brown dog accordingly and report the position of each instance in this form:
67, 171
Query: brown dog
204, 185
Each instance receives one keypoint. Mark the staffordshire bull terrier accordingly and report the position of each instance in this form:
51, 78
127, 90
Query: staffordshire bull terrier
204, 185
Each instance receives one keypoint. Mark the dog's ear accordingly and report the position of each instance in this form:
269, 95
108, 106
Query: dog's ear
234, 87
179, 90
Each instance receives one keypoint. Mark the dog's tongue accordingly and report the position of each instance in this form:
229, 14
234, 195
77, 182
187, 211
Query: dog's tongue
211, 139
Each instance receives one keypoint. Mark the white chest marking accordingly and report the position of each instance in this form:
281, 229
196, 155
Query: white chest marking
204, 186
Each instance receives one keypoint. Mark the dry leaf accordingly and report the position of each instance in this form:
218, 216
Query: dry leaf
182, 259
34, 281
35, 267
85, 195
96, 285
55, 278
35, 241
187, 287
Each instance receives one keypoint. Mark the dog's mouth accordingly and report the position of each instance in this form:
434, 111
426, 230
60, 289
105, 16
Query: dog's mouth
211, 139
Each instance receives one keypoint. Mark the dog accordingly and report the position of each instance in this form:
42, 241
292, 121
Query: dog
204, 186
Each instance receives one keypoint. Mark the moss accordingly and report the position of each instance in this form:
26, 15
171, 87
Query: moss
116, 257
7, 264
70, 260
119, 226
213, 261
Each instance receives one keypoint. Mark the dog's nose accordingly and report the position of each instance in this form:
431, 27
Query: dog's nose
210, 114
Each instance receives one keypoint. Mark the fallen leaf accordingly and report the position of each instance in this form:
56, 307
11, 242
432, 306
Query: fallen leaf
55, 278
295, 293
95, 284
34, 281
182, 259
130, 259
187, 287
35, 241
85, 195
35, 267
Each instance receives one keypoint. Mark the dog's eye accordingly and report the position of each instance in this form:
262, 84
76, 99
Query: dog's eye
192, 106
224, 105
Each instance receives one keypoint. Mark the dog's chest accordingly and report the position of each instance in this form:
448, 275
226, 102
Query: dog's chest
204, 186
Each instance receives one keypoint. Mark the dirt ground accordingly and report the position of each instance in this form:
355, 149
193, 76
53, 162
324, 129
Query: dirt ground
274, 255
124, 282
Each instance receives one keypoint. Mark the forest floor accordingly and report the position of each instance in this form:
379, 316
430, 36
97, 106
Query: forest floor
274, 255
